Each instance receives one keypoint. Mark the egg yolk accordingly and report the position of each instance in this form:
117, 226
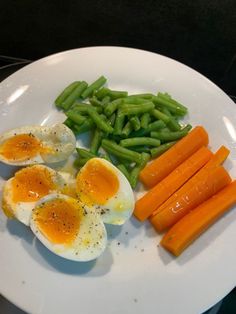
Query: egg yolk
31, 183
96, 183
21, 147
58, 220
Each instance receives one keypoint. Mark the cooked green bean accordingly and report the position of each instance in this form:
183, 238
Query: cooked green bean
94, 86
171, 136
129, 109
112, 107
165, 102
136, 170
172, 124
65, 93
157, 151
76, 93
144, 96
101, 124
160, 115
173, 101
135, 141
156, 125
105, 101
112, 119
85, 127
102, 92
127, 129
135, 123
83, 108
123, 169
75, 117
95, 102
96, 141
145, 119
84, 153
80, 162
106, 156
68, 122
140, 149
119, 123
119, 151
134, 100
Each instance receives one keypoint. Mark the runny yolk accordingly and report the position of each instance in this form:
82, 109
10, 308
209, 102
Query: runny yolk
58, 220
96, 183
31, 183
21, 147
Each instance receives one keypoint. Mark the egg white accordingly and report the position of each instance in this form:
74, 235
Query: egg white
117, 209
59, 138
91, 239
22, 210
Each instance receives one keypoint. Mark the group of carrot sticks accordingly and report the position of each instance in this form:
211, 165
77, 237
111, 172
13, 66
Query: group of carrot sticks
189, 190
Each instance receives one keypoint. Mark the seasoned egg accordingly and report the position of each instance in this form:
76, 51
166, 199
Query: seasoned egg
101, 186
67, 228
29, 184
36, 144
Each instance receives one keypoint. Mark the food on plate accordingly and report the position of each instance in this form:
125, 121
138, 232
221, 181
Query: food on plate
100, 185
144, 123
190, 227
146, 205
207, 185
28, 185
157, 170
68, 228
36, 144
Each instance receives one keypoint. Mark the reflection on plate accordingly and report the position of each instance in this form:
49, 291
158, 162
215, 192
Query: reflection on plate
134, 274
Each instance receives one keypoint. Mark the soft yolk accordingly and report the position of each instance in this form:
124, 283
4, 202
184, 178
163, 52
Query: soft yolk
96, 183
58, 220
30, 184
21, 147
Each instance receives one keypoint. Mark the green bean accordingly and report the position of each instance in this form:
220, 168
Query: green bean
165, 102
96, 141
173, 124
157, 151
75, 117
94, 86
129, 109
123, 169
136, 170
112, 107
134, 100
102, 92
127, 129
106, 156
68, 122
160, 115
112, 119
85, 127
95, 102
135, 141
83, 108
119, 151
76, 93
135, 123
113, 94
80, 162
144, 96
84, 153
119, 123
140, 149
65, 93
173, 101
101, 124
145, 119
171, 136
105, 101
156, 125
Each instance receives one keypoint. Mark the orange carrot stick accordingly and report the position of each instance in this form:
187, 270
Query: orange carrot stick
163, 190
189, 228
167, 162
217, 159
214, 180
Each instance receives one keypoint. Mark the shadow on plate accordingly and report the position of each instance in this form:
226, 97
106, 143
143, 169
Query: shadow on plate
43, 256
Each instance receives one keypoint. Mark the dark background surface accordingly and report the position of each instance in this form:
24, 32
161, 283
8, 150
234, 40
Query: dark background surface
200, 34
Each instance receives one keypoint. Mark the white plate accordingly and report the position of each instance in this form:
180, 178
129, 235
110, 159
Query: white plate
134, 275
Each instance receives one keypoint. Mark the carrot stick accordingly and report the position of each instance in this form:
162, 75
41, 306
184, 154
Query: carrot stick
189, 228
167, 162
214, 180
163, 190
217, 159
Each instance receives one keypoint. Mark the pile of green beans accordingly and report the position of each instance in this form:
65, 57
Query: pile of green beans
127, 130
